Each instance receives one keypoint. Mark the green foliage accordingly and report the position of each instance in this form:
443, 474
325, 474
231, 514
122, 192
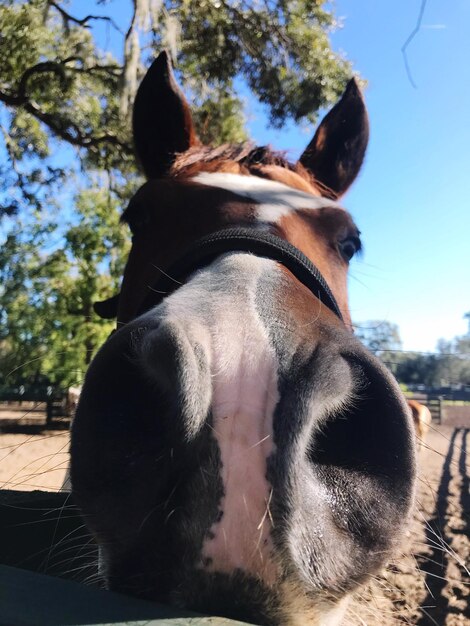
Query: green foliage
47, 323
281, 48
53, 73
219, 118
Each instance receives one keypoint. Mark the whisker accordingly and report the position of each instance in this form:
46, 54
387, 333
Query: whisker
167, 275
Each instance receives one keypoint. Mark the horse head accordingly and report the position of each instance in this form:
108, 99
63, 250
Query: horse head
236, 450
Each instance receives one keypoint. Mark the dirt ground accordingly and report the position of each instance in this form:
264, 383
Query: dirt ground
427, 585
34, 459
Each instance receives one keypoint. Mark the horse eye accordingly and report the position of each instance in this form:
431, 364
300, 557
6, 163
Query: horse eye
349, 246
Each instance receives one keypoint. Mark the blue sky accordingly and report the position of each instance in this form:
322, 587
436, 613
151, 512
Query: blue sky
411, 200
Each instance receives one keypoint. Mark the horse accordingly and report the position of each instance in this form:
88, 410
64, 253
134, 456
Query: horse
71, 400
236, 450
421, 419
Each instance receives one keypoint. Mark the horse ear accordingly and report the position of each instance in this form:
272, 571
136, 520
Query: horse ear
162, 122
107, 309
335, 154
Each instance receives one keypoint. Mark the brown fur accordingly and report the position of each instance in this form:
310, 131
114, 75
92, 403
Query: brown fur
316, 234
246, 155
183, 208
188, 210
248, 159
421, 419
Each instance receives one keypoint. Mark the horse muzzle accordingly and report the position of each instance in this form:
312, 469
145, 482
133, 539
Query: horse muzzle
256, 476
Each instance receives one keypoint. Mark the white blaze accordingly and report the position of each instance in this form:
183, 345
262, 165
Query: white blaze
244, 395
274, 199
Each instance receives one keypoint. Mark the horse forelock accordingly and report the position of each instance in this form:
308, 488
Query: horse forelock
248, 159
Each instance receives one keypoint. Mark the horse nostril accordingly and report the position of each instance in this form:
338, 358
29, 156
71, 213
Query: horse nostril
365, 455
372, 433
346, 495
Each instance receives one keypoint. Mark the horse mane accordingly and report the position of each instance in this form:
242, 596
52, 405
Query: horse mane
246, 157
245, 154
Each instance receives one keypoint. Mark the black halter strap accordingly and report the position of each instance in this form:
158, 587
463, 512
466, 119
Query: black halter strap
256, 242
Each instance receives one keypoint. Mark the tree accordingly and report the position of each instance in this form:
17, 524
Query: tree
378, 336
67, 165
418, 369
467, 317
382, 338
47, 323
453, 361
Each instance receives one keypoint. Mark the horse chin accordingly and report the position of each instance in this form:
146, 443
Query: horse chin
300, 610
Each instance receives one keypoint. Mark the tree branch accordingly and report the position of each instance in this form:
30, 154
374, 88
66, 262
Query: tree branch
409, 39
84, 21
46, 66
68, 131
71, 133
112, 68
64, 128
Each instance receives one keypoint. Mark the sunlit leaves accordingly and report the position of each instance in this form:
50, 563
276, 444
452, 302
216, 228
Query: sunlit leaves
47, 324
